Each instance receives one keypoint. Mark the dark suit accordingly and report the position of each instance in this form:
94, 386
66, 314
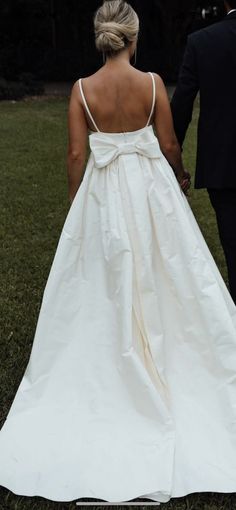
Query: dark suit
209, 67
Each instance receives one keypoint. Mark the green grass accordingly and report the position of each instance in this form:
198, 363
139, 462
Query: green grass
33, 206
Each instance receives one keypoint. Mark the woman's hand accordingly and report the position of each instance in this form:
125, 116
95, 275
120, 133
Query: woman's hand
185, 182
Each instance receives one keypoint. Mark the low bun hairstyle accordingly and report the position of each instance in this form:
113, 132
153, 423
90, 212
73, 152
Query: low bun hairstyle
116, 25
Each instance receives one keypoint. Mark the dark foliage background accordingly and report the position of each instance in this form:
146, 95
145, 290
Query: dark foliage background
53, 39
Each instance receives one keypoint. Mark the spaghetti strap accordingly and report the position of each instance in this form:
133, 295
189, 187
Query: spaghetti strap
86, 105
153, 97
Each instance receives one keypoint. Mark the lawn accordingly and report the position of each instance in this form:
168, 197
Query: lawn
33, 205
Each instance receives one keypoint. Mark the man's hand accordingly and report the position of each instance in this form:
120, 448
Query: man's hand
185, 182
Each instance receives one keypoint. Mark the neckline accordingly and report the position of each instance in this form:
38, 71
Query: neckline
136, 131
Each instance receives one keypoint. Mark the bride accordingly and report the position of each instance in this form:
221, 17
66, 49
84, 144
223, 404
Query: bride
130, 388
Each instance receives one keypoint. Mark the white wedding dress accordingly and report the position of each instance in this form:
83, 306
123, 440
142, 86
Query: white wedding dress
130, 389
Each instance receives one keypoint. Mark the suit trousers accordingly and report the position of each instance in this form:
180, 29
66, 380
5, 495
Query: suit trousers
224, 204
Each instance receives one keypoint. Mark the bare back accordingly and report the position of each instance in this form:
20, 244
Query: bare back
118, 100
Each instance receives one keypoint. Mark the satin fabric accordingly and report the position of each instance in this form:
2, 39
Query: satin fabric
130, 388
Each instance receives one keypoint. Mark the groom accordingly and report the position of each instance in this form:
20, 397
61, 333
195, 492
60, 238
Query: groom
209, 67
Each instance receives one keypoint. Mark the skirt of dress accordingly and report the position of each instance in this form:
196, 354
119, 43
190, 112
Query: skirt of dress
130, 389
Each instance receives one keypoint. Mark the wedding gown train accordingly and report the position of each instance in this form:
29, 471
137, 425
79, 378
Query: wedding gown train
130, 388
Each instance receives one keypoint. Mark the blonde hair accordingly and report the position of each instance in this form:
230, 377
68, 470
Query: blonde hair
116, 25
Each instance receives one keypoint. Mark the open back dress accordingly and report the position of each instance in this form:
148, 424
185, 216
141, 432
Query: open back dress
130, 388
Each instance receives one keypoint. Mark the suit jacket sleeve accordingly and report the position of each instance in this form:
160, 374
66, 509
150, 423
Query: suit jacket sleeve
185, 93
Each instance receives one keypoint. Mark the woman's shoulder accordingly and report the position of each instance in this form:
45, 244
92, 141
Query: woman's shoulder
96, 81
89, 78
157, 78
79, 84
160, 85
101, 72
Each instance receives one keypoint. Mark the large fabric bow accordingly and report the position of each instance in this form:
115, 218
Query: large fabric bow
105, 151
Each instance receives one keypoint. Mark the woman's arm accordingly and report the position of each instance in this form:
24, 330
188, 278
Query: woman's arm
166, 135
77, 143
